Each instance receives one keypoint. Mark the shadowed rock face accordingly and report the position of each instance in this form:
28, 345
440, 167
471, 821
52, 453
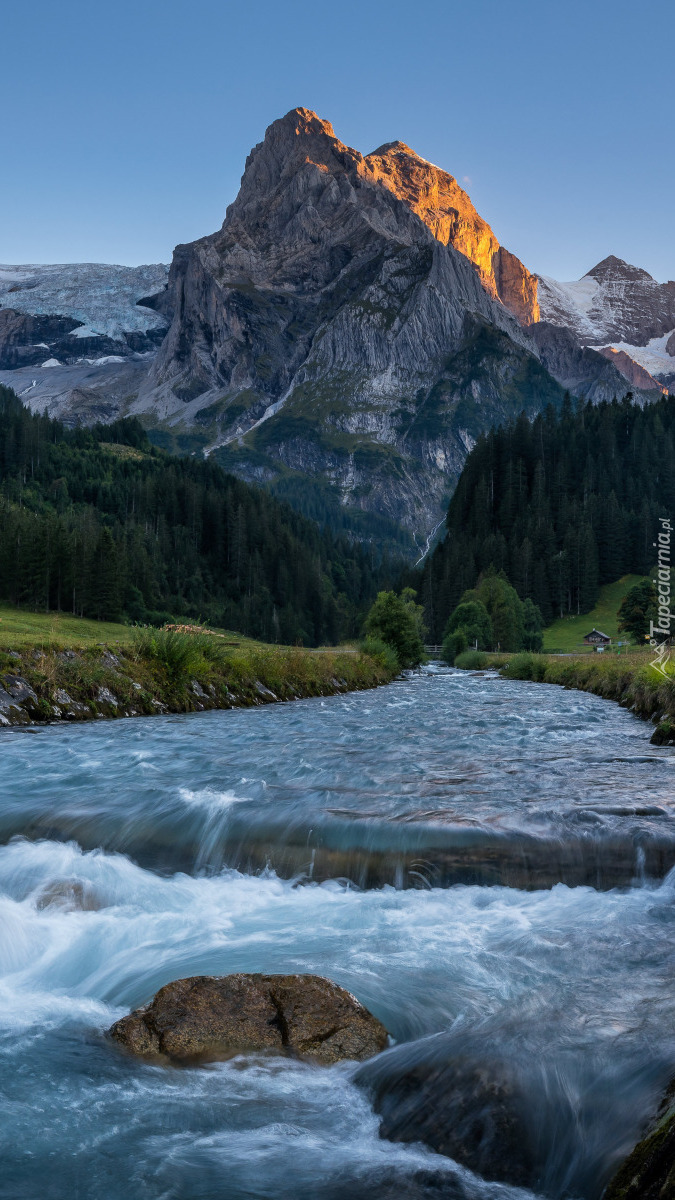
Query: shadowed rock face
205, 1018
27, 340
581, 369
633, 372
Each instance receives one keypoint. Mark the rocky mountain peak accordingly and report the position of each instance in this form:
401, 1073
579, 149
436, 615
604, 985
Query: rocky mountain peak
618, 305
613, 269
298, 123
301, 150
327, 327
394, 148
293, 150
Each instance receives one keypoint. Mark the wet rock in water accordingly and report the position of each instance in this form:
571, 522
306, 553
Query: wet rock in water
205, 1018
392, 1184
664, 734
469, 1109
649, 1172
71, 895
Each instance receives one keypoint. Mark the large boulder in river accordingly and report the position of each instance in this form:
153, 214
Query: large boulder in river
205, 1018
649, 1172
472, 1108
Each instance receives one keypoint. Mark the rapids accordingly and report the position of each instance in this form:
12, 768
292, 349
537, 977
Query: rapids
137, 852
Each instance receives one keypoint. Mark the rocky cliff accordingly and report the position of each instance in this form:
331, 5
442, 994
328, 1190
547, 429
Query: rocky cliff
326, 330
595, 375
447, 210
631, 370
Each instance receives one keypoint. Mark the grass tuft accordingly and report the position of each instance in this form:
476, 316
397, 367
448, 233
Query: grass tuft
472, 660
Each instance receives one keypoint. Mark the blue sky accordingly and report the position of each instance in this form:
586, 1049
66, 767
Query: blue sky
125, 126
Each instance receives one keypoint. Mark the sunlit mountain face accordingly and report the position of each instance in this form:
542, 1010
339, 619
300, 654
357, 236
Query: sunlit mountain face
343, 339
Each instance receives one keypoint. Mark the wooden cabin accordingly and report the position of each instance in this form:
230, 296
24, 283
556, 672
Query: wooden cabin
597, 638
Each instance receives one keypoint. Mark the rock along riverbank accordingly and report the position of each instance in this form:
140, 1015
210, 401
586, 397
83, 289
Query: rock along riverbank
170, 673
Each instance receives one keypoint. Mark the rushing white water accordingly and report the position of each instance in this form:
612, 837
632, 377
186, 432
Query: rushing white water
439, 779
571, 986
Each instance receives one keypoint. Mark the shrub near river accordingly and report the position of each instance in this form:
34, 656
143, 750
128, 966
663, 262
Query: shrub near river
492, 616
396, 622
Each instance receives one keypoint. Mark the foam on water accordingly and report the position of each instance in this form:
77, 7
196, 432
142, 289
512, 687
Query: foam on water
570, 986
419, 959
534, 779
567, 975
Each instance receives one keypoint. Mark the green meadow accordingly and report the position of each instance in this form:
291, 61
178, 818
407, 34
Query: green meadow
568, 633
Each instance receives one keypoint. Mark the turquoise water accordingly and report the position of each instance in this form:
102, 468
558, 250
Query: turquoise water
114, 879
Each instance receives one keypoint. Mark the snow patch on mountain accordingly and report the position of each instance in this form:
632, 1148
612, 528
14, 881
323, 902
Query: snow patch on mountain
570, 304
654, 357
102, 296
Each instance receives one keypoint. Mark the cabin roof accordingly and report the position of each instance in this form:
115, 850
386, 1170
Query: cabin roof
599, 633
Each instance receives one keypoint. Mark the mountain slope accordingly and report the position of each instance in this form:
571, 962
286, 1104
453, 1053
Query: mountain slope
326, 330
102, 524
596, 375
446, 209
563, 505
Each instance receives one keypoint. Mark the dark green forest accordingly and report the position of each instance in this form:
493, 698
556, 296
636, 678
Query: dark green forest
562, 504
100, 523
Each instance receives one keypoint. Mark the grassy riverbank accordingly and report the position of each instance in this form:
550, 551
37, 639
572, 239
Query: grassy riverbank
627, 678
62, 669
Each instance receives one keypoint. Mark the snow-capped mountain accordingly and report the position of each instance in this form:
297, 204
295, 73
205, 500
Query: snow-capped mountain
619, 307
103, 299
84, 315
76, 339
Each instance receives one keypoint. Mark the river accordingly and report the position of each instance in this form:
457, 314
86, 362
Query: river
484, 863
